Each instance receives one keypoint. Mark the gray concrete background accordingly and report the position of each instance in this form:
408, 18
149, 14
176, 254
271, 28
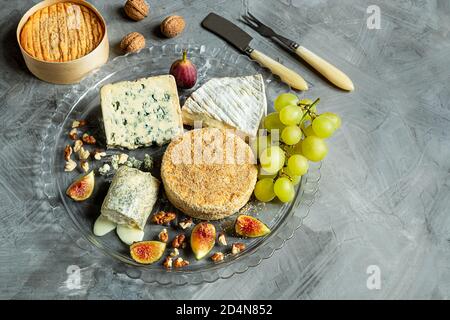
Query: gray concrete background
384, 195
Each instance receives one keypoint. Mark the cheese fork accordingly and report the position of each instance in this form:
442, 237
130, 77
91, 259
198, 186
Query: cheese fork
333, 74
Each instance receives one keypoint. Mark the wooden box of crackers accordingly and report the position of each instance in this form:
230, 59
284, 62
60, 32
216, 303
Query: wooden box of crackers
63, 40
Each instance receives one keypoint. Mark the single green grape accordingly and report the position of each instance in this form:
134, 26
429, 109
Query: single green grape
291, 115
334, 118
272, 159
272, 122
314, 148
264, 190
323, 127
291, 135
284, 189
285, 99
294, 179
298, 164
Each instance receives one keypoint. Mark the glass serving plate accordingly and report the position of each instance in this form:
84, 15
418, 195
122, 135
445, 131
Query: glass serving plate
83, 102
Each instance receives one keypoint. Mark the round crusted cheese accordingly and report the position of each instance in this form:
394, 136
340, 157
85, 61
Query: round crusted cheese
209, 173
61, 32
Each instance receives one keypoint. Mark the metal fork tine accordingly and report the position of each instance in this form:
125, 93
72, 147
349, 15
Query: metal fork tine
266, 31
249, 22
253, 17
259, 23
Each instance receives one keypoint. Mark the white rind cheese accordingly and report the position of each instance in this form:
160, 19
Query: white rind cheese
238, 103
130, 198
141, 113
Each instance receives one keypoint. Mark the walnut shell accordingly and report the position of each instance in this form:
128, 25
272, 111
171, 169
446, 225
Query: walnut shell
136, 9
172, 26
132, 42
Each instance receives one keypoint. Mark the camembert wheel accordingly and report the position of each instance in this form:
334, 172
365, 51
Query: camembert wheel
209, 173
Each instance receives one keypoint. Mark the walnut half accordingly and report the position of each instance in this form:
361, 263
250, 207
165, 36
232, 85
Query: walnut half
180, 262
163, 235
179, 241
218, 256
163, 217
70, 165
67, 152
167, 263
237, 247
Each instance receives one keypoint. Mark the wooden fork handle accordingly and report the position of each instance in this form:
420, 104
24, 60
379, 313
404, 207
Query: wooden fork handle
333, 74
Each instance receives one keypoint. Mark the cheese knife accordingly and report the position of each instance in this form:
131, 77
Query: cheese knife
241, 40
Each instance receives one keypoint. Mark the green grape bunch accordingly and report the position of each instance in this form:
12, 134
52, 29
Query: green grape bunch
302, 139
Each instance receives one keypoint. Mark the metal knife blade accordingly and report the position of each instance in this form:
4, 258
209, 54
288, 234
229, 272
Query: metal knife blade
228, 31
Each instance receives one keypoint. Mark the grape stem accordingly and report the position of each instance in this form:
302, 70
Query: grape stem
307, 109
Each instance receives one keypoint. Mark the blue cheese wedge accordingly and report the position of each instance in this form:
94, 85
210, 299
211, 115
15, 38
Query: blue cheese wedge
141, 113
130, 198
237, 103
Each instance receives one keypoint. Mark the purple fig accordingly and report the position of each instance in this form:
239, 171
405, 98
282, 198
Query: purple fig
184, 72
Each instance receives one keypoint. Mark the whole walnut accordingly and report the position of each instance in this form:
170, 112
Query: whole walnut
172, 26
132, 42
136, 9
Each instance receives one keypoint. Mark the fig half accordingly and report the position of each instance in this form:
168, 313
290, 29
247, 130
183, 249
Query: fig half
147, 252
251, 227
203, 238
82, 188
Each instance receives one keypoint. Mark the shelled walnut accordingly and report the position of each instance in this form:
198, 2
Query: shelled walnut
186, 223
237, 247
67, 152
163, 235
70, 165
167, 263
77, 145
178, 241
218, 256
163, 217
84, 165
174, 253
73, 134
180, 262
222, 240
88, 139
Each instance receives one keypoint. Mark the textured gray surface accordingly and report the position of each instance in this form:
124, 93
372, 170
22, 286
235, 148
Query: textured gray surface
385, 191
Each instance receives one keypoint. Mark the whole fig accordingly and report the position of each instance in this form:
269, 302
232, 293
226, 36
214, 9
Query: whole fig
184, 72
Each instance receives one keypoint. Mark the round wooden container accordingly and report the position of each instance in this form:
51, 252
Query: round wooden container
65, 72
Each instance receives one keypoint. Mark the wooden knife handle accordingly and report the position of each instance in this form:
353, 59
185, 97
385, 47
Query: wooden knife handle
333, 74
288, 76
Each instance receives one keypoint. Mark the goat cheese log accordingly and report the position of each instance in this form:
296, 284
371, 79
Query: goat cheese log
130, 198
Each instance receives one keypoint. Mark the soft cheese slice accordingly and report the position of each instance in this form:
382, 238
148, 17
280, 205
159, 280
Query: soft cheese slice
142, 112
130, 198
238, 103
103, 226
129, 235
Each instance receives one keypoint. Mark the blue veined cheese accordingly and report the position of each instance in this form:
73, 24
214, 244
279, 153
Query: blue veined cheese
238, 103
130, 198
141, 113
